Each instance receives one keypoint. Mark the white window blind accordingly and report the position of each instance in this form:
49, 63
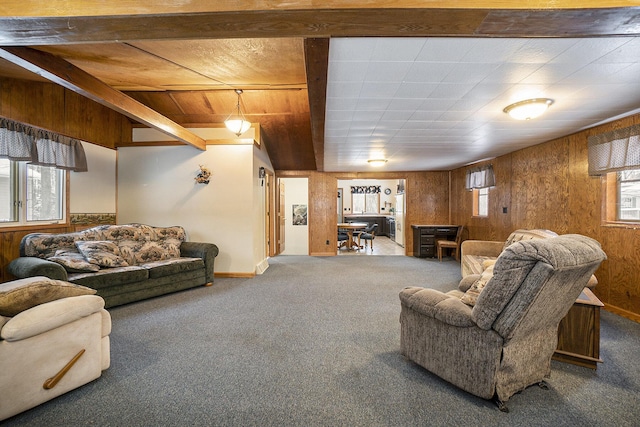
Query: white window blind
480, 177
613, 151
20, 142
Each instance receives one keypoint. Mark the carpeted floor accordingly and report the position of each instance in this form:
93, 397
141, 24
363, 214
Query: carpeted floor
315, 342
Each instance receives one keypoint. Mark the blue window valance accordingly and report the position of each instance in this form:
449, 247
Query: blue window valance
22, 142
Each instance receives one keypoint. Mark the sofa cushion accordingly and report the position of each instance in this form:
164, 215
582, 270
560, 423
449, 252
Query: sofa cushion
22, 294
473, 263
73, 261
102, 252
471, 295
172, 266
106, 277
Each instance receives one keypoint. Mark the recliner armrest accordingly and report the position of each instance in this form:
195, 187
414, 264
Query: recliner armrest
438, 305
27, 266
50, 315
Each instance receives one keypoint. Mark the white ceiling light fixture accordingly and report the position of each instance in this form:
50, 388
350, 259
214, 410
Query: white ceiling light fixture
236, 122
528, 109
377, 162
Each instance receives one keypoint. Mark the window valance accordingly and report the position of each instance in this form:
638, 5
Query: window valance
21, 142
480, 177
614, 151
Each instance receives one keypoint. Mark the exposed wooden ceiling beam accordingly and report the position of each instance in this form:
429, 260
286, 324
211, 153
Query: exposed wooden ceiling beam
316, 56
129, 7
73, 78
311, 22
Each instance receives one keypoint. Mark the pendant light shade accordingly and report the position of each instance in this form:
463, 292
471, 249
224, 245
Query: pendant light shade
236, 122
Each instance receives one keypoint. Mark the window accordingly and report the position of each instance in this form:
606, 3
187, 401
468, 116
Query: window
625, 196
30, 194
362, 203
481, 202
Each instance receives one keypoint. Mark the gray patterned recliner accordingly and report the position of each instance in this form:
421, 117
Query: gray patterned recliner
505, 342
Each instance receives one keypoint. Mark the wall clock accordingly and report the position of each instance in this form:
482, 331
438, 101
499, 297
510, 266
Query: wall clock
387, 191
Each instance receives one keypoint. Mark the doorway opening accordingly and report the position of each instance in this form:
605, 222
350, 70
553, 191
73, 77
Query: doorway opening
373, 201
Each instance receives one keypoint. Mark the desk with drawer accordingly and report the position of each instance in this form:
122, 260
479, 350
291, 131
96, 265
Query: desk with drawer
425, 237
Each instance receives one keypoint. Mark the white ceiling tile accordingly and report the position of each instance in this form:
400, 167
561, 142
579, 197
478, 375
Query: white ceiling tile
366, 104
451, 90
443, 49
588, 50
405, 104
379, 89
428, 72
447, 109
469, 73
351, 49
397, 49
343, 89
347, 71
387, 71
415, 90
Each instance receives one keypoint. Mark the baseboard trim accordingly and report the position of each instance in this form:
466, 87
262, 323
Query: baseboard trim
262, 266
622, 312
237, 275
322, 254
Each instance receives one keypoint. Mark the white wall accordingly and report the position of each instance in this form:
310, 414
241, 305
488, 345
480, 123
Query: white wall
296, 237
156, 186
95, 191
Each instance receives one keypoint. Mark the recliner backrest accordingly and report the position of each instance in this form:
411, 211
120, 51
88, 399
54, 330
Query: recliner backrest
535, 283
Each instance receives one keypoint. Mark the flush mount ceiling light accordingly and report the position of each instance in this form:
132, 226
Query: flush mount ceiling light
528, 109
377, 162
236, 122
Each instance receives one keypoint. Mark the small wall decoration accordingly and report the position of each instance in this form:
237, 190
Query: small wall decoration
299, 215
203, 175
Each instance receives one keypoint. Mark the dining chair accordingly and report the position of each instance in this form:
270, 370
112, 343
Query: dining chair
342, 237
451, 244
368, 235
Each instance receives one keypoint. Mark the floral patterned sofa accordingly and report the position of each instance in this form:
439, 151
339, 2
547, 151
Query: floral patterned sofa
123, 263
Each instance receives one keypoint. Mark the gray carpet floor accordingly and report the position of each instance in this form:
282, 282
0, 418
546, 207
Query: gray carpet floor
315, 342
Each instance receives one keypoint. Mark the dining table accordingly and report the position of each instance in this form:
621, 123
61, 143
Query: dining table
350, 227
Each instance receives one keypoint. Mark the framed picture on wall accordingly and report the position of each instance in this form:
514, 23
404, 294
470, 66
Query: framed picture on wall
299, 216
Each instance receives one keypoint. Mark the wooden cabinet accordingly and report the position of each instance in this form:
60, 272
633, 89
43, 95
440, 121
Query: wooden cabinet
425, 237
579, 332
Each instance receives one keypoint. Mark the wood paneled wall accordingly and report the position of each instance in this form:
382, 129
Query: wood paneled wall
427, 198
547, 186
52, 107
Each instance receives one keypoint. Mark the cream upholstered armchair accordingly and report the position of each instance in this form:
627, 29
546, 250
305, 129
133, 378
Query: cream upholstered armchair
504, 342
54, 337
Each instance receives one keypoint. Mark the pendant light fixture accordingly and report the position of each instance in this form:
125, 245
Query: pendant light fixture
236, 122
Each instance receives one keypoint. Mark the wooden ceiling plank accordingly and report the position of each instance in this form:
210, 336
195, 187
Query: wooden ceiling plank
73, 78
